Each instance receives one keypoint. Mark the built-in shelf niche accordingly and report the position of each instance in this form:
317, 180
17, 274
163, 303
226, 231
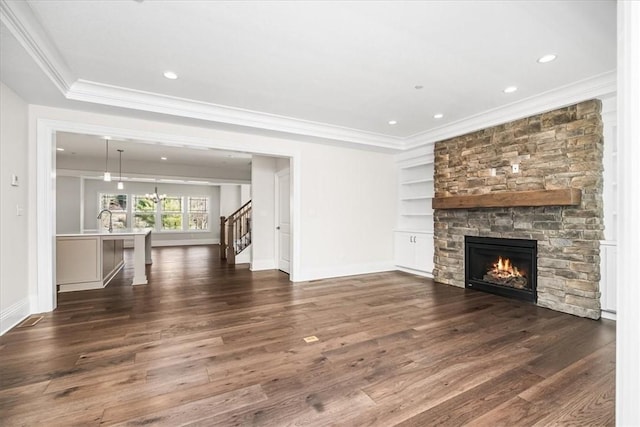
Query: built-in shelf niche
416, 195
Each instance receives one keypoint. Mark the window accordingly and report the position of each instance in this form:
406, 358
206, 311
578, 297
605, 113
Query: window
174, 213
117, 205
171, 215
198, 211
144, 212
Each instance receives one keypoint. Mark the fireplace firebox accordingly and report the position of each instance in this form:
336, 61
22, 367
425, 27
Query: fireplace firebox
504, 267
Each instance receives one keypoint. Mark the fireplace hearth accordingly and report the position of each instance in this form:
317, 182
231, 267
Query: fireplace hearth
500, 266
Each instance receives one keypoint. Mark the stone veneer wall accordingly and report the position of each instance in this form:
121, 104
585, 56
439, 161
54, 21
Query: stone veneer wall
558, 149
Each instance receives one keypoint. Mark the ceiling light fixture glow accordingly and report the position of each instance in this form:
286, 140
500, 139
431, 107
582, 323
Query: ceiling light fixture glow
438, 116
170, 75
510, 89
547, 58
120, 183
107, 175
393, 122
59, 149
163, 158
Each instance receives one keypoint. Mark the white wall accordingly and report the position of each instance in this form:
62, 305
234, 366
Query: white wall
245, 194
14, 289
263, 233
92, 187
348, 211
229, 199
628, 324
68, 200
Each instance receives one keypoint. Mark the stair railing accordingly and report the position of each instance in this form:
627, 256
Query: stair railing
235, 233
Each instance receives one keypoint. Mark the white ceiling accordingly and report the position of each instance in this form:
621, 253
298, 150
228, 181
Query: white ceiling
91, 146
85, 155
339, 70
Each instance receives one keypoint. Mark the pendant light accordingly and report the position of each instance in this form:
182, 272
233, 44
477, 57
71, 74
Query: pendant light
107, 174
120, 183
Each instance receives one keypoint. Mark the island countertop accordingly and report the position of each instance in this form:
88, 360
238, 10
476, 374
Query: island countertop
117, 232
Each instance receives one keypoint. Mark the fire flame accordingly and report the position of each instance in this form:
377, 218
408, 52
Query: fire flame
504, 269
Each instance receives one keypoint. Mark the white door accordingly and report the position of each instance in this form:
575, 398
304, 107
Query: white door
283, 220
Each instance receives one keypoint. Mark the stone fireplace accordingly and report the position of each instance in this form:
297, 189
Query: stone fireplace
558, 153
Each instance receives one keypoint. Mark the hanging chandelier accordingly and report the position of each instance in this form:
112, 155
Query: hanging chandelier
155, 196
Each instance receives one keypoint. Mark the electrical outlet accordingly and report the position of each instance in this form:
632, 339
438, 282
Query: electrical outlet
515, 168
310, 339
493, 171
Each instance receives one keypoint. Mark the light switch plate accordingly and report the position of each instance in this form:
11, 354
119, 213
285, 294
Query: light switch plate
14, 180
515, 168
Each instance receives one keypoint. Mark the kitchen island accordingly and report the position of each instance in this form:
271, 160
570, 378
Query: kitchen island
90, 259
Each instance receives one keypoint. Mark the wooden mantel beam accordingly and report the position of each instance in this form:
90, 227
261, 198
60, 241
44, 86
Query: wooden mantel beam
508, 199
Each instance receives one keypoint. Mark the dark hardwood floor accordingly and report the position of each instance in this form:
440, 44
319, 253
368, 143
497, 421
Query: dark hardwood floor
207, 344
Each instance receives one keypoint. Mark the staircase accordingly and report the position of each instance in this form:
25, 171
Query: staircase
235, 233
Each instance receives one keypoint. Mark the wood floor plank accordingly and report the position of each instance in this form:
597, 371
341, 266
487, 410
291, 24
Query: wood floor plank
208, 408
596, 407
204, 343
464, 407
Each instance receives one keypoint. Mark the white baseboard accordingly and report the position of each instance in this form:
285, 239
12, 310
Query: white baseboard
608, 315
344, 270
416, 272
183, 242
263, 264
14, 314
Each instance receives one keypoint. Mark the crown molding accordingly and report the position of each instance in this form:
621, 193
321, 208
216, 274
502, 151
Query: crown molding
26, 28
593, 87
87, 91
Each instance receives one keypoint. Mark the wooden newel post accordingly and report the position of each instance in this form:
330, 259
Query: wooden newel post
231, 239
223, 241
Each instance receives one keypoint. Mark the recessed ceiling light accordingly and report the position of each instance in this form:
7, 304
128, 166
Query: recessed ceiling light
60, 149
163, 158
393, 122
546, 58
170, 75
438, 116
510, 89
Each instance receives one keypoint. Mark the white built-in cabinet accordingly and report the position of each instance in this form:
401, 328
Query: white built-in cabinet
414, 232
414, 250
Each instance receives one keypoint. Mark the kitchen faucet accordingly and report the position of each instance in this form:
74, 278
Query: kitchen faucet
110, 218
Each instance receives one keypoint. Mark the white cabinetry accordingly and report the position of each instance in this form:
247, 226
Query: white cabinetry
414, 250
414, 231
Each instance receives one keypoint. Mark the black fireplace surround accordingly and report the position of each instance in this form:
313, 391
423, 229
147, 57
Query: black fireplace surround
504, 267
